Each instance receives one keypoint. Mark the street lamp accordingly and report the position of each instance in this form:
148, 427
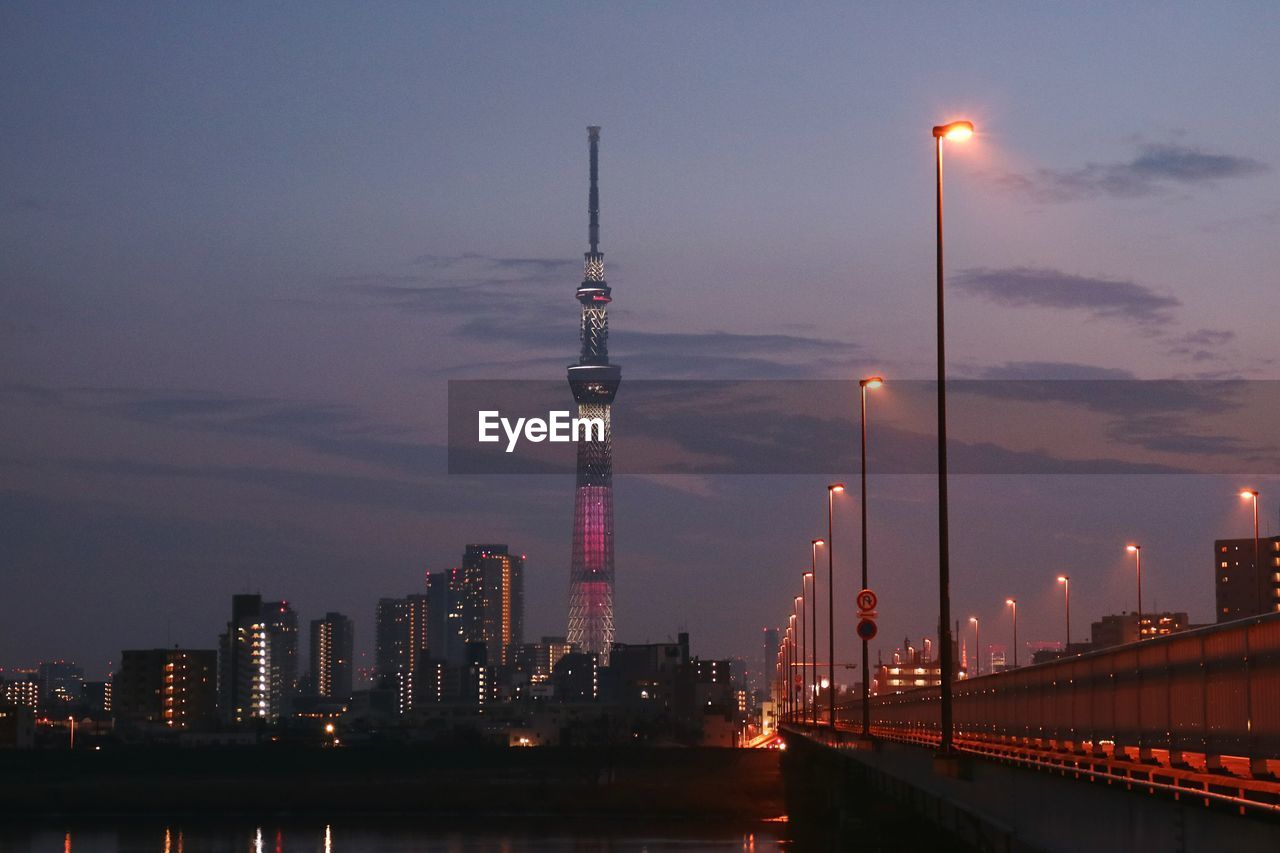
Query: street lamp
813, 568
832, 490
804, 679
811, 610
863, 385
1257, 563
1136, 551
1013, 603
1065, 580
956, 131
977, 647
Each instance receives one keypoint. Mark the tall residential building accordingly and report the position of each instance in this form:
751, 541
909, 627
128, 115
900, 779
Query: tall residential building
415, 635
1245, 585
391, 640
176, 688
282, 625
594, 382
258, 660
61, 683
1118, 629
444, 644
770, 653
22, 689
332, 649
492, 601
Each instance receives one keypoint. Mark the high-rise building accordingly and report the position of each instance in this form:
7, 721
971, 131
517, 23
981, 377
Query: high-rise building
1245, 585
594, 382
391, 640
1117, 629
415, 636
445, 644
176, 688
282, 626
332, 649
770, 653
258, 660
23, 689
61, 683
492, 600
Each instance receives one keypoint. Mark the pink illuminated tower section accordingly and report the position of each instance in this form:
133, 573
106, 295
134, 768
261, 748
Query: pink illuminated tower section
594, 382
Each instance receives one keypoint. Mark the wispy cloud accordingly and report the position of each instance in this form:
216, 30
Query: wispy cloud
1154, 169
1053, 370
1031, 287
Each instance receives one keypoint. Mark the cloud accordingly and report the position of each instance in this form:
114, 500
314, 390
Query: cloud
1154, 169
1031, 287
527, 305
1053, 370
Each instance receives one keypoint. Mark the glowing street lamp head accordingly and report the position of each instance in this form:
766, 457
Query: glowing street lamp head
1133, 549
1249, 493
1011, 602
956, 131
806, 575
973, 619
799, 598
817, 542
836, 487
1063, 578
871, 382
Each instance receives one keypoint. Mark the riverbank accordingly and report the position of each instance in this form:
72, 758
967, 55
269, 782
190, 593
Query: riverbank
456, 782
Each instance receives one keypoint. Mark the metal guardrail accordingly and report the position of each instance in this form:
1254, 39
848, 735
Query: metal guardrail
1214, 691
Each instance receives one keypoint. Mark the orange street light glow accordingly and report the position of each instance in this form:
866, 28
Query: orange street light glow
1249, 493
956, 131
817, 542
1133, 549
836, 487
1063, 578
871, 382
1010, 601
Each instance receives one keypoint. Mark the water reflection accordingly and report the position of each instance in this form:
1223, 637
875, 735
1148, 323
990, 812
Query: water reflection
221, 837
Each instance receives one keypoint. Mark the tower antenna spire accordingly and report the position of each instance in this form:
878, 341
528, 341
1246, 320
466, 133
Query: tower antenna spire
593, 195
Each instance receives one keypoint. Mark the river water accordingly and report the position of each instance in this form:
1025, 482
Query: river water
378, 837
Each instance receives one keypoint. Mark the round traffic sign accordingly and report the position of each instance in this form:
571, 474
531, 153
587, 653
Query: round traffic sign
867, 600
866, 630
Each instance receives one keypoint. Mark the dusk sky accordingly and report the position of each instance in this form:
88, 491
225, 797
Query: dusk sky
243, 249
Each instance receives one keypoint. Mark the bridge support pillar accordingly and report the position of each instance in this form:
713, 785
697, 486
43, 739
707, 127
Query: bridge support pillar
1259, 770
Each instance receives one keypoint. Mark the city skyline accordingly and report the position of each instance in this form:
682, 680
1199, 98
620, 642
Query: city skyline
224, 367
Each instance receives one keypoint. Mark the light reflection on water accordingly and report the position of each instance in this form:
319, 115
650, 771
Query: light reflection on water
313, 838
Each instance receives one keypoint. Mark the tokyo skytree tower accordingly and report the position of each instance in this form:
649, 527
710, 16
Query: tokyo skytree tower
594, 382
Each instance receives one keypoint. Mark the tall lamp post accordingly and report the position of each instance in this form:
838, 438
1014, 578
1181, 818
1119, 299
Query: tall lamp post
863, 385
813, 569
1257, 562
809, 581
803, 642
957, 131
1136, 551
977, 647
832, 489
791, 675
1013, 603
1065, 580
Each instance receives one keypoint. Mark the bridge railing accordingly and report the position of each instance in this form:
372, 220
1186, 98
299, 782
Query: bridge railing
1213, 691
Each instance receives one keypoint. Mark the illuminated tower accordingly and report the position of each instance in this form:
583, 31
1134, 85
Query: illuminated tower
594, 382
